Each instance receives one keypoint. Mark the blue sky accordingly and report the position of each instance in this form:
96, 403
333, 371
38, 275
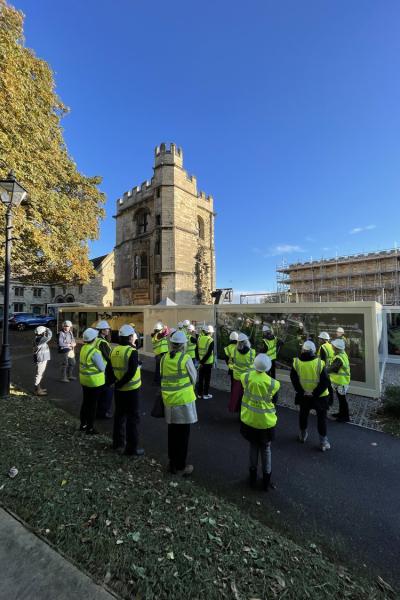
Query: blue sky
288, 113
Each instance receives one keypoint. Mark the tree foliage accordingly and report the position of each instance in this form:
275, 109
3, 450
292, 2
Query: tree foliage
64, 206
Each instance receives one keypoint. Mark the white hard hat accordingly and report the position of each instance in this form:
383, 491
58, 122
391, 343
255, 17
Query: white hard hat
339, 344
40, 330
242, 337
186, 323
262, 362
324, 335
178, 337
90, 334
191, 327
158, 326
309, 346
210, 329
234, 336
180, 324
102, 325
340, 330
126, 331
266, 328
172, 331
67, 324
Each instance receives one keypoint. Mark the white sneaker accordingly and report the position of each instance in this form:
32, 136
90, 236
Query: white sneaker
71, 378
303, 435
325, 445
65, 380
188, 470
207, 397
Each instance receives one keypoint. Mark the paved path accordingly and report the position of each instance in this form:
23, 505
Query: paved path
347, 500
32, 570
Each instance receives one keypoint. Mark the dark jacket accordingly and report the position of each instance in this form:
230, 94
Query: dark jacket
133, 364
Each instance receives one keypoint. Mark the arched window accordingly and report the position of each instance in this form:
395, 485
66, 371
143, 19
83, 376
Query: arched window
200, 227
136, 267
69, 298
143, 267
142, 222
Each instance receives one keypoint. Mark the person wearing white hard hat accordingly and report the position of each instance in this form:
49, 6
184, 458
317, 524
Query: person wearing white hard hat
66, 347
242, 361
205, 358
92, 379
102, 343
228, 351
327, 354
339, 373
311, 383
339, 333
178, 378
159, 340
271, 346
191, 341
124, 363
258, 416
41, 355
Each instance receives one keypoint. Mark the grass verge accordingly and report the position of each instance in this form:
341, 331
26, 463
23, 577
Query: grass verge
146, 535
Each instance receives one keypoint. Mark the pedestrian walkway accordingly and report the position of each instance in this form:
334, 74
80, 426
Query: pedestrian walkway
32, 570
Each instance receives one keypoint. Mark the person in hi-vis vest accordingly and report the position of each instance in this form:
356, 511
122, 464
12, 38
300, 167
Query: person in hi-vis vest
339, 373
228, 351
102, 343
311, 382
178, 378
258, 416
125, 366
159, 340
327, 353
205, 357
92, 379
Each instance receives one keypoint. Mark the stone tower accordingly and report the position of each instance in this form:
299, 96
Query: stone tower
165, 237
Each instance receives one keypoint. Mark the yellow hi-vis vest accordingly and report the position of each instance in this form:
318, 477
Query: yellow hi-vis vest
271, 347
203, 344
119, 361
160, 345
242, 362
229, 350
89, 374
98, 341
257, 408
329, 352
191, 346
343, 376
176, 385
309, 372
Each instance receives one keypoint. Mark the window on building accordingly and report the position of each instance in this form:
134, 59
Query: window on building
19, 291
37, 292
36, 310
52, 291
158, 192
144, 273
136, 267
1, 289
80, 289
19, 307
158, 219
142, 222
200, 227
157, 247
64, 289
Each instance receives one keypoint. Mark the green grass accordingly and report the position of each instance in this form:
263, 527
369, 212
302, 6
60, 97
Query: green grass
144, 534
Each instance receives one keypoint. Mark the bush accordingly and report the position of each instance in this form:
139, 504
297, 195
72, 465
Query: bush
391, 401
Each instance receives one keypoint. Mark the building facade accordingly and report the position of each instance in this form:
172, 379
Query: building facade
25, 297
359, 277
165, 237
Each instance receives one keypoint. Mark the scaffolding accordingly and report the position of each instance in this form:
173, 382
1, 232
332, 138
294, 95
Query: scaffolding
357, 277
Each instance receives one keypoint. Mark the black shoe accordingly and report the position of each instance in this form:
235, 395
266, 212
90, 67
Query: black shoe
336, 415
172, 469
252, 477
137, 452
267, 482
91, 431
342, 419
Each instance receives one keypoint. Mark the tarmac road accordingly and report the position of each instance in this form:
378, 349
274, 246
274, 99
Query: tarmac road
346, 500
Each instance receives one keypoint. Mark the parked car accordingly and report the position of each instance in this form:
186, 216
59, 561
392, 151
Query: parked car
22, 321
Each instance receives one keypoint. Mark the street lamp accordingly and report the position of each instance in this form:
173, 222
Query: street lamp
11, 194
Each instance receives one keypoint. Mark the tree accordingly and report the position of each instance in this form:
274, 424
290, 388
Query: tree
64, 207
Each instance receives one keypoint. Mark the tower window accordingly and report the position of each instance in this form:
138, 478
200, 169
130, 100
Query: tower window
200, 228
143, 267
158, 219
142, 222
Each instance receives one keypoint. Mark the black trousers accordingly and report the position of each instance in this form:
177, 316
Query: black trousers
104, 405
343, 406
307, 404
204, 379
91, 396
178, 442
126, 420
157, 376
272, 370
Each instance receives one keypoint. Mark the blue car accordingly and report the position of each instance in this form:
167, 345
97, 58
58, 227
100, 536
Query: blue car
22, 321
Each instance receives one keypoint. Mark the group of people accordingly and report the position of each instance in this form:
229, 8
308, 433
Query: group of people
184, 359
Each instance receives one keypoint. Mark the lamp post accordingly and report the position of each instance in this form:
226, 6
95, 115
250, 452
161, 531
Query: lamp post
11, 194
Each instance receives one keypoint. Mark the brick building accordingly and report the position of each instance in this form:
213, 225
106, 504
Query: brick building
165, 237
371, 276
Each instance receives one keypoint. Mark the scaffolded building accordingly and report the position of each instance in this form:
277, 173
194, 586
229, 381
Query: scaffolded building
358, 277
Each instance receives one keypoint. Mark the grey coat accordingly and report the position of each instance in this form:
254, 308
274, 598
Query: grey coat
41, 347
